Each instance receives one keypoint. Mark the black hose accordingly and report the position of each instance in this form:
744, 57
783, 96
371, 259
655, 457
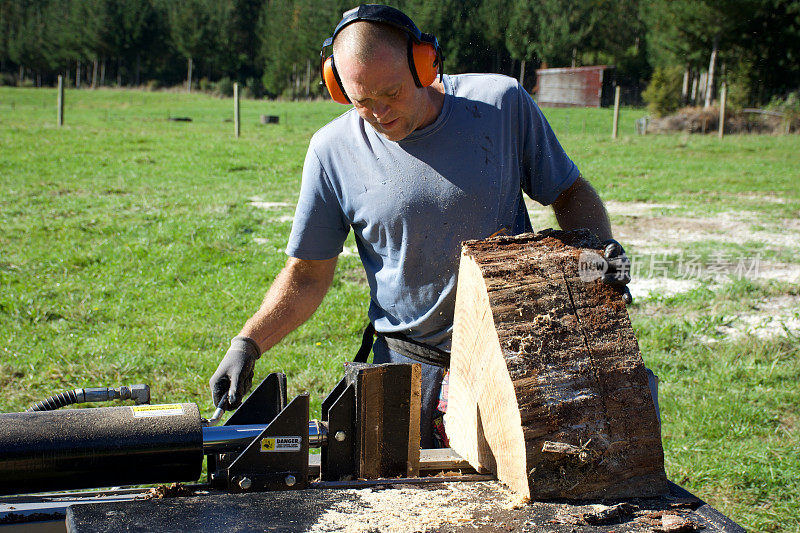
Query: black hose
54, 402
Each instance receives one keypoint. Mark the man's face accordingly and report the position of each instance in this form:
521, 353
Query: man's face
384, 94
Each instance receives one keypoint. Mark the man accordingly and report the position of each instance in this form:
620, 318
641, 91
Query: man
413, 169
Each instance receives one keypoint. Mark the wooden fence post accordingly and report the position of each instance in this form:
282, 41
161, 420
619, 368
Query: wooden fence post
60, 100
722, 99
616, 113
236, 122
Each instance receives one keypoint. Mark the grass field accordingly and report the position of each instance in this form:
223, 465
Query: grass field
133, 248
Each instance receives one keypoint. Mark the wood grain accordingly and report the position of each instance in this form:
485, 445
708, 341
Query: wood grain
547, 385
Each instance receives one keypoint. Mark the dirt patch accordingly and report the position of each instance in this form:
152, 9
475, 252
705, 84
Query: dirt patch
779, 272
778, 316
642, 288
763, 198
662, 268
648, 231
651, 233
635, 209
257, 202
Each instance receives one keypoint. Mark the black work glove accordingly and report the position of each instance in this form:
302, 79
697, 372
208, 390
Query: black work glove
234, 375
618, 272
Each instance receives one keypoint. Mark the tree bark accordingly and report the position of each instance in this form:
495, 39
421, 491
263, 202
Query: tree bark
103, 72
94, 74
547, 387
710, 83
308, 78
78, 75
522, 73
685, 86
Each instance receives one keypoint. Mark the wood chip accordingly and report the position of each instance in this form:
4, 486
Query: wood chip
610, 514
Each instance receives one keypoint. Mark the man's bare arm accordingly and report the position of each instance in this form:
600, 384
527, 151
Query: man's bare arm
581, 207
291, 300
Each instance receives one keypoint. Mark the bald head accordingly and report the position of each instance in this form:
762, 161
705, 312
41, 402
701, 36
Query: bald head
362, 41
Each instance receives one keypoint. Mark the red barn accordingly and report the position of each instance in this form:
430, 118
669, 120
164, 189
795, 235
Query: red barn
575, 87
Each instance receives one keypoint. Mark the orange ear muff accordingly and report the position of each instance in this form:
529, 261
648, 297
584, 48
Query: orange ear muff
425, 62
333, 83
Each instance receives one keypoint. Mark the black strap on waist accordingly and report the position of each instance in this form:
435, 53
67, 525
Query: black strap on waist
366, 344
404, 345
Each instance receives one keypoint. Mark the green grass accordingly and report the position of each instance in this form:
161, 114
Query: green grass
129, 253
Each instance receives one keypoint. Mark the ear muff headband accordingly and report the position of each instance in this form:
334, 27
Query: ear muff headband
423, 52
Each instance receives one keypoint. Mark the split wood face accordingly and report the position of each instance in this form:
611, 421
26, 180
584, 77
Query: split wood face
547, 385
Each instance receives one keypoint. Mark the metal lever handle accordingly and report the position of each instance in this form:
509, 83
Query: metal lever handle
217, 416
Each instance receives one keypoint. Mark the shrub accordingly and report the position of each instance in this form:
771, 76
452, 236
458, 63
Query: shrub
253, 88
205, 85
153, 85
663, 94
790, 105
224, 87
740, 86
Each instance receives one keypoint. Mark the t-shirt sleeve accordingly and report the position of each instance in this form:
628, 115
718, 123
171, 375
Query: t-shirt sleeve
319, 228
547, 171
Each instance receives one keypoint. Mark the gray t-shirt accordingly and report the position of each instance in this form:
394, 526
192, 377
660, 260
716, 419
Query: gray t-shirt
411, 203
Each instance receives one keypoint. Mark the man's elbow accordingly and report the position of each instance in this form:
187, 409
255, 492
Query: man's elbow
311, 274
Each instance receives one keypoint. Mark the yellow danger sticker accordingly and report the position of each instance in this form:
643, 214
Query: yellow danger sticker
281, 444
149, 411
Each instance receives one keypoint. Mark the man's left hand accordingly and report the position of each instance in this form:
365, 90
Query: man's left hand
618, 272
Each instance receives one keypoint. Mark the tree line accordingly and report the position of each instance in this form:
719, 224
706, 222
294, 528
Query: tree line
272, 47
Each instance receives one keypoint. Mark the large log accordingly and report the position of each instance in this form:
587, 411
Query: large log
547, 385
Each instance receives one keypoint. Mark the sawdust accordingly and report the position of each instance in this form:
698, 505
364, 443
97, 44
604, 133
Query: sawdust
168, 491
387, 510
